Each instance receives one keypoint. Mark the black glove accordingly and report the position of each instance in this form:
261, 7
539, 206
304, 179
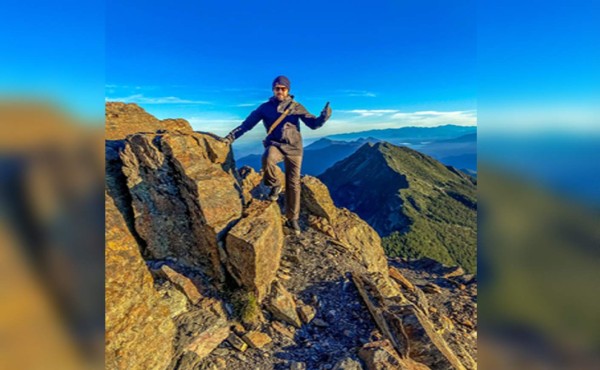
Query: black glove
326, 112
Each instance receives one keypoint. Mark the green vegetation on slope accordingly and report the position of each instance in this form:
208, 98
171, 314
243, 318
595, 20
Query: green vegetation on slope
420, 207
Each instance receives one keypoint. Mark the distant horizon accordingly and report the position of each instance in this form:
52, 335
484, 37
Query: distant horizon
368, 120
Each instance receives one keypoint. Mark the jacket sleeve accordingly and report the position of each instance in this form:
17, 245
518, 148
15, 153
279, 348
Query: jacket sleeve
309, 119
252, 120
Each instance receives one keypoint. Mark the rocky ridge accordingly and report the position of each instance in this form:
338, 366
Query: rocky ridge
202, 274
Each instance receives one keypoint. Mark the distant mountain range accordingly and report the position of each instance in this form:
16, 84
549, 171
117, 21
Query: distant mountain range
414, 135
418, 205
452, 145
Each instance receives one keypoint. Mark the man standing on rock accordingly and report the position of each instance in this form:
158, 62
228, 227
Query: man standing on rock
281, 115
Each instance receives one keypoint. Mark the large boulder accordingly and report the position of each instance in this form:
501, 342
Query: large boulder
139, 329
185, 195
254, 248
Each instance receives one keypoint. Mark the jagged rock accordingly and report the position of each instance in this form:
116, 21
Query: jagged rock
254, 247
278, 327
431, 288
348, 364
307, 313
320, 323
298, 366
454, 272
256, 339
316, 199
184, 195
200, 331
321, 224
207, 341
252, 183
380, 355
396, 275
237, 342
238, 329
447, 323
281, 304
139, 326
122, 119
183, 283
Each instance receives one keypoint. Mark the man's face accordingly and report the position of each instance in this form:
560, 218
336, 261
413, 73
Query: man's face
280, 92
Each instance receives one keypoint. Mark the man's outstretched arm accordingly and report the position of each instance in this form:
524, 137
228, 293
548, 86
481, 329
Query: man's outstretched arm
311, 120
247, 125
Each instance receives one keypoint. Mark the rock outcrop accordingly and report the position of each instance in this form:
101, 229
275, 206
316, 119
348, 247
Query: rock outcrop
124, 119
138, 318
185, 195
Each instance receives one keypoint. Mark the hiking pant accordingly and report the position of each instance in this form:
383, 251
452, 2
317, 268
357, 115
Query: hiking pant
270, 158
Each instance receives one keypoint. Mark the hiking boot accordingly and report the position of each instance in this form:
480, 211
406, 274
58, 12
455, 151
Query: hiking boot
274, 194
293, 224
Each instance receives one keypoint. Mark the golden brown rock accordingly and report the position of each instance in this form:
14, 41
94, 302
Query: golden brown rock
281, 304
316, 199
307, 313
252, 183
380, 355
237, 342
281, 329
184, 195
254, 247
256, 339
139, 327
122, 119
183, 283
207, 341
397, 275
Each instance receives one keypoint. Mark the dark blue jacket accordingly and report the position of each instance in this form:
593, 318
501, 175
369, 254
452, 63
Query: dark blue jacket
270, 111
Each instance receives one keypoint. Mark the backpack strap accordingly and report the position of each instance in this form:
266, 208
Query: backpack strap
283, 115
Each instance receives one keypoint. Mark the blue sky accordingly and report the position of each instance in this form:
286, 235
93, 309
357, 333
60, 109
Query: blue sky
389, 64
54, 51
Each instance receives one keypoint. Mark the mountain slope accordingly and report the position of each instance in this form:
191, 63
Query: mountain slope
419, 206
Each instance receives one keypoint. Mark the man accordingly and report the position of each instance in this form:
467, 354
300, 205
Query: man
281, 115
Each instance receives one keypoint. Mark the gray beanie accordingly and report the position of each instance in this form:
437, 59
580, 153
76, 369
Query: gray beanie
282, 80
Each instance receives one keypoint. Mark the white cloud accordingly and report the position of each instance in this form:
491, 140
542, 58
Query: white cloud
436, 118
217, 126
370, 112
359, 93
396, 118
253, 104
141, 99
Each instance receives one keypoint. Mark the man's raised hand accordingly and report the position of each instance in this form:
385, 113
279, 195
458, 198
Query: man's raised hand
326, 112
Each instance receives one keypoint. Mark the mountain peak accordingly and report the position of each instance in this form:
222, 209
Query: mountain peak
211, 271
409, 198
122, 119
